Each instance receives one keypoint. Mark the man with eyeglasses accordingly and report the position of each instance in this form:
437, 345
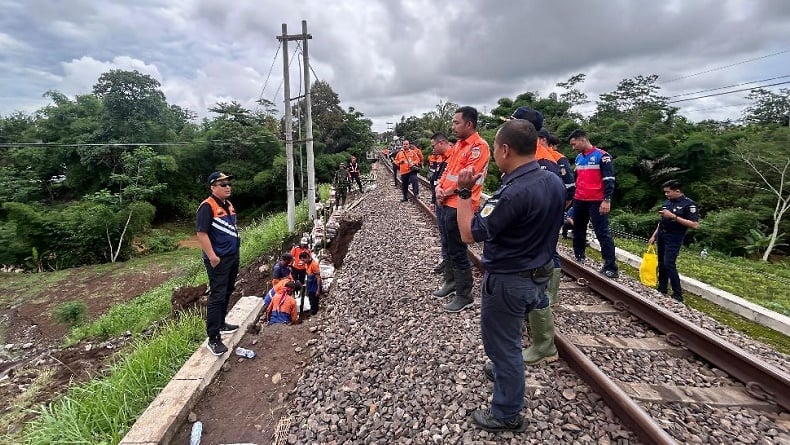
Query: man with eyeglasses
219, 238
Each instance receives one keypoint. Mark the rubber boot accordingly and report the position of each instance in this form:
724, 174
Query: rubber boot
554, 286
541, 325
449, 284
463, 291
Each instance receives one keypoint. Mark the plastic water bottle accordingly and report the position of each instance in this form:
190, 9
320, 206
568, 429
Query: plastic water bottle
197, 430
245, 352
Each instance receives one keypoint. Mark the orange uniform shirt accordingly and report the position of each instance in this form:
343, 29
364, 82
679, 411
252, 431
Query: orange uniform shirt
285, 304
472, 151
406, 158
296, 251
313, 268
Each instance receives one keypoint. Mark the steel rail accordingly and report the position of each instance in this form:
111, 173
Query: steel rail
624, 407
763, 381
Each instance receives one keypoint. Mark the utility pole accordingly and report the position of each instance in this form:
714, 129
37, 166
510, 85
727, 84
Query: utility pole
308, 126
289, 146
289, 140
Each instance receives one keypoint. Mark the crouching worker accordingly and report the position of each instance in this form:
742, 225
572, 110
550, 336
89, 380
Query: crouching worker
282, 308
313, 281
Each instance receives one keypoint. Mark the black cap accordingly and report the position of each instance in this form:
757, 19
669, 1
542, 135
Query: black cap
529, 114
543, 133
217, 176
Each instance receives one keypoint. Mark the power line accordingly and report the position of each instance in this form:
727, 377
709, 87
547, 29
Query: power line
266, 82
129, 144
726, 66
716, 108
290, 62
728, 92
729, 86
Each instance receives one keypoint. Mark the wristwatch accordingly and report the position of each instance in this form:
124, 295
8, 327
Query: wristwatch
464, 193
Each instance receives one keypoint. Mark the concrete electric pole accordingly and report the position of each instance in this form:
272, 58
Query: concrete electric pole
289, 145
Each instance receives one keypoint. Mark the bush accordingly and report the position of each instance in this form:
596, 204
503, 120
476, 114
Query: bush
642, 225
71, 313
160, 243
725, 230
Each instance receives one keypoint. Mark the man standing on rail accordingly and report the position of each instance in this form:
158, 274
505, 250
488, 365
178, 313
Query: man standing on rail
441, 150
593, 200
471, 151
219, 239
408, 161
518, 259
353, 172
678, 214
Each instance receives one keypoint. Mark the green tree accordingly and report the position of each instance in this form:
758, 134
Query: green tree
768, 107
766, 155
136, 183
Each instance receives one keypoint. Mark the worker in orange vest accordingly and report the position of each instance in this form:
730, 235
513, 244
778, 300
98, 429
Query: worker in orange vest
409, 161
473, 151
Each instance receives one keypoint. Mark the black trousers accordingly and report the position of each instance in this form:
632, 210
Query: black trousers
355, 177
222, 281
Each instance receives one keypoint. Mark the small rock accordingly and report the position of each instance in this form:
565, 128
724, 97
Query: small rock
192, 417
27, 345
226, 366
276, 378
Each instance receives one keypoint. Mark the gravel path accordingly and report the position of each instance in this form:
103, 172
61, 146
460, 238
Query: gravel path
392, 367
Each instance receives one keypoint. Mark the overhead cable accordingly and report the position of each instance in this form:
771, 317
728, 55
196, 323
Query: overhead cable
728, 92
726, 66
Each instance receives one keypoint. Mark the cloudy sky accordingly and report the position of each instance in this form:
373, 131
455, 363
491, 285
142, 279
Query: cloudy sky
389, 58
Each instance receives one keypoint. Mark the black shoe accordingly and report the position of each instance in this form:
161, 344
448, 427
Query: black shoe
228, 328
488, 370
485, 420
609, 273
458, 304
216, 347
404, 199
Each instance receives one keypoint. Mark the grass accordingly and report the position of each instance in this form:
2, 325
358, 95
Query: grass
744, 282
16, 288
767, 285
102, 410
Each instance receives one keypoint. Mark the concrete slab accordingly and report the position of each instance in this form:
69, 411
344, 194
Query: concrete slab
164, 415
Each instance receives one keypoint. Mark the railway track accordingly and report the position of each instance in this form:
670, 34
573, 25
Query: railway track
690, 383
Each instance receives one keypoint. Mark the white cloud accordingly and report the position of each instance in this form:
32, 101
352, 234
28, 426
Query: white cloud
389, 59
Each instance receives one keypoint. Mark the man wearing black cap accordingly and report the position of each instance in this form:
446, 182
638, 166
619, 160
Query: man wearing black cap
542, 155
219, 239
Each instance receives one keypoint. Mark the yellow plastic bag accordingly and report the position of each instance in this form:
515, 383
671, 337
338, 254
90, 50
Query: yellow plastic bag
649, 267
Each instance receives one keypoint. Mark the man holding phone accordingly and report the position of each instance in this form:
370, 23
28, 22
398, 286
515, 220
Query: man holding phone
678, 214
471, 151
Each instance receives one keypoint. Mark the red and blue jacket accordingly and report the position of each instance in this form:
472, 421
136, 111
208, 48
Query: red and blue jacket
594, 175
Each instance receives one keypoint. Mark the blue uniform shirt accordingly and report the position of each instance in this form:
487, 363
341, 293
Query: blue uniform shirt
519, 223
682, 207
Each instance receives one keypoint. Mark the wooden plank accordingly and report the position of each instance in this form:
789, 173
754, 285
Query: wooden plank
645, 344
722, 396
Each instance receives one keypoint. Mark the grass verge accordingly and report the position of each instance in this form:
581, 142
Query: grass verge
754, 330
102, 410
